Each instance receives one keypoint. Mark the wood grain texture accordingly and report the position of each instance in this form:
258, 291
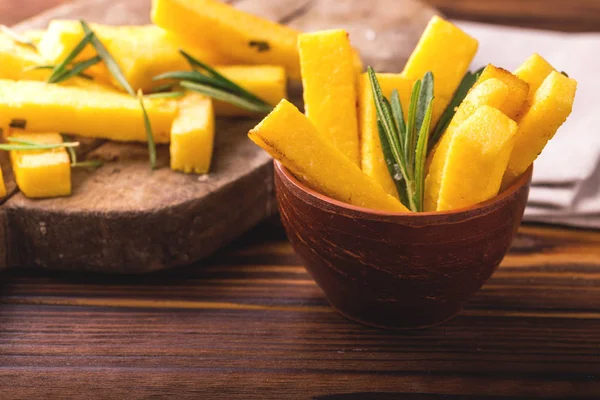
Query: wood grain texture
574, 15
570, 16
249, 323
126, 218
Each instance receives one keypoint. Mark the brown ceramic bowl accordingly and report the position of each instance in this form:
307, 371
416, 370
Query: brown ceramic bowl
398, 270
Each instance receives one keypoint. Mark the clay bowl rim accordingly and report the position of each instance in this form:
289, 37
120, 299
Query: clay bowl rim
465, 212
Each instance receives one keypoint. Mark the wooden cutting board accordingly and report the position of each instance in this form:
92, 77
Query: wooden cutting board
125, 218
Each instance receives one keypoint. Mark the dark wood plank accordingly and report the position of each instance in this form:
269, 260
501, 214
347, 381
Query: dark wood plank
250, 323
574, 15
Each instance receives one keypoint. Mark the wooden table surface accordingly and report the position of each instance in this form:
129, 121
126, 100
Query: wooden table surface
250, 323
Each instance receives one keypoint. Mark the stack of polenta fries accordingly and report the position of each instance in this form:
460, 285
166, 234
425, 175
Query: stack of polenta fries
493, 133
255, 54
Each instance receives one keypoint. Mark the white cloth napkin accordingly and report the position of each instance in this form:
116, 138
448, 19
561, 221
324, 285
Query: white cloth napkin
566, 177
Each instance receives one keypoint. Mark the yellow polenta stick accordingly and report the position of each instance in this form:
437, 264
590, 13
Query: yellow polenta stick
41, 173
16, 61
247, 38
492, 92
292, 139
329, 83
549, 109
447, 52
518, 89
43, 107
477, 158
192, 135
35, 35
2, 185
265, 81
533, 71
508, 98
142, 52
372, 161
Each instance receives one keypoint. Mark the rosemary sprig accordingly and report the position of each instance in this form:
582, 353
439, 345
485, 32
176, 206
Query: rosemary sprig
115, 70
29, 145
72, 154
17, 37
226, 97
51, 67
87, 164
112, 66
208, 81
404, 143
222, 79
60, 68
165, 95
80, 164
62, 72
465, 85
151, 144
77, 70
81, 66
163, 88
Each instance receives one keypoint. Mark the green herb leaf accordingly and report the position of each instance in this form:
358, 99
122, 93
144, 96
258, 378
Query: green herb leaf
384, 116
112, 66
390, 141
87, 164
17, 37
194, 76
223, 82
222, 95
51, 67
29, 145
163, 88
77, 69
195, 63
421, 156
411, 129
465, 85
165, 95
149, 134
115, 70
398, 115
392, 165
61, 67
404, 143
425, 96
70, 150
73, 157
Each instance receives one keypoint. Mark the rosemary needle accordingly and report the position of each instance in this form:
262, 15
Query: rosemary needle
404, 143
150, 135
112, 66
29, 145
208, 81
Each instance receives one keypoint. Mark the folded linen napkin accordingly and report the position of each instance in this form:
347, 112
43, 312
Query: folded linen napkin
566, 177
